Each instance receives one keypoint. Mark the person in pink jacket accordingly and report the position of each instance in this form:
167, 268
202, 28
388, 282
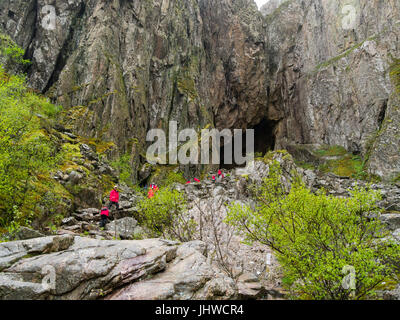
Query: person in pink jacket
104, 214
114, 197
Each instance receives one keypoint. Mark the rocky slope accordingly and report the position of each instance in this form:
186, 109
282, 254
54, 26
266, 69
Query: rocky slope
86, 263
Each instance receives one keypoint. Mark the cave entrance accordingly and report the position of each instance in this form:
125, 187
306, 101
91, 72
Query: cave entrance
264, 141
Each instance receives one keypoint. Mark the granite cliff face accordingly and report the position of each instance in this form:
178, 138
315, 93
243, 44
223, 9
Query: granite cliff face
136, 65
329, 74
307, 72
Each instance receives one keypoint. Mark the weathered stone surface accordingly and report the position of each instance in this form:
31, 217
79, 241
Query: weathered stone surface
126, 228
24, 233
392, 220
189, 272
330, 80
385, 156
82, 268
69, 221
271, 6
313, 76
136, 65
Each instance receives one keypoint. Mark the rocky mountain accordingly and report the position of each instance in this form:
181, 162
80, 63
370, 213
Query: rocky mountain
329, 70
136, 65
315, 77
308, 72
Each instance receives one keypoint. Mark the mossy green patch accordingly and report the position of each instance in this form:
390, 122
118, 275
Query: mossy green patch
346, 53
99, 145
395, 74
347, 166
331, 151
167, 175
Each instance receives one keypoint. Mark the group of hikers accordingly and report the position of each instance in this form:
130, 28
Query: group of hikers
105, 211
153, 189
217, 178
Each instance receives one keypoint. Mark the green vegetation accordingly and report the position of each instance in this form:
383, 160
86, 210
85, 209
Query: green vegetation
317, 237
174, 177
123, 165
347, 166
27, 153
395, 74
331, 151
11, 55
166, 176
32, 151
187, 85
337, 160
164, 215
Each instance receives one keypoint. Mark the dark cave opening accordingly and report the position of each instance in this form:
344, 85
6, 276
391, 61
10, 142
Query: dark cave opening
264, 141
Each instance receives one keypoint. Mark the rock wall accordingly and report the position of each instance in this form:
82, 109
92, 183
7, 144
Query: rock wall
329, 72
316, 71
137, 65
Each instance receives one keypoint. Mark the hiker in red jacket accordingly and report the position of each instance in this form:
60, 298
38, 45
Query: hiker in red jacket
220, 176
114, 198
104, 214
150, 194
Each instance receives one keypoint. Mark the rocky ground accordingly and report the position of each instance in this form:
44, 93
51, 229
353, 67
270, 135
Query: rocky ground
88, 262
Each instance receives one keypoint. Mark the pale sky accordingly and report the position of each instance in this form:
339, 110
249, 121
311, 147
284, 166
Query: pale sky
260, 2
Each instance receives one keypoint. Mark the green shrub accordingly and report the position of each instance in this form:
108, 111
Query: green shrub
26, 150
174, 177
315, 236
165, 215
123, 166
11, 55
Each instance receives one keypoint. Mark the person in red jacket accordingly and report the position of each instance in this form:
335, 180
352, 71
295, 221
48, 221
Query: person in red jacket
114, 198
150, 194
104, 214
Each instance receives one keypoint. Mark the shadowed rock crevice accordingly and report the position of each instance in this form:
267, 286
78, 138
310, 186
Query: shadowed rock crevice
33, 13
382, 113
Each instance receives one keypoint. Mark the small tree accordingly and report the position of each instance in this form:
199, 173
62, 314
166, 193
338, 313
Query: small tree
165, 215
11, 55
319, 238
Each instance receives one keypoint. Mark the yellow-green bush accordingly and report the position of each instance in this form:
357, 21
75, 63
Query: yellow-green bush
317, 237
165, 215
26, 150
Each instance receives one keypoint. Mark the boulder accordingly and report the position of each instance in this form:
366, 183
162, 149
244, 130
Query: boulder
391, 220
74, 177
69, 221
126, 228
25, 233
188, 277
